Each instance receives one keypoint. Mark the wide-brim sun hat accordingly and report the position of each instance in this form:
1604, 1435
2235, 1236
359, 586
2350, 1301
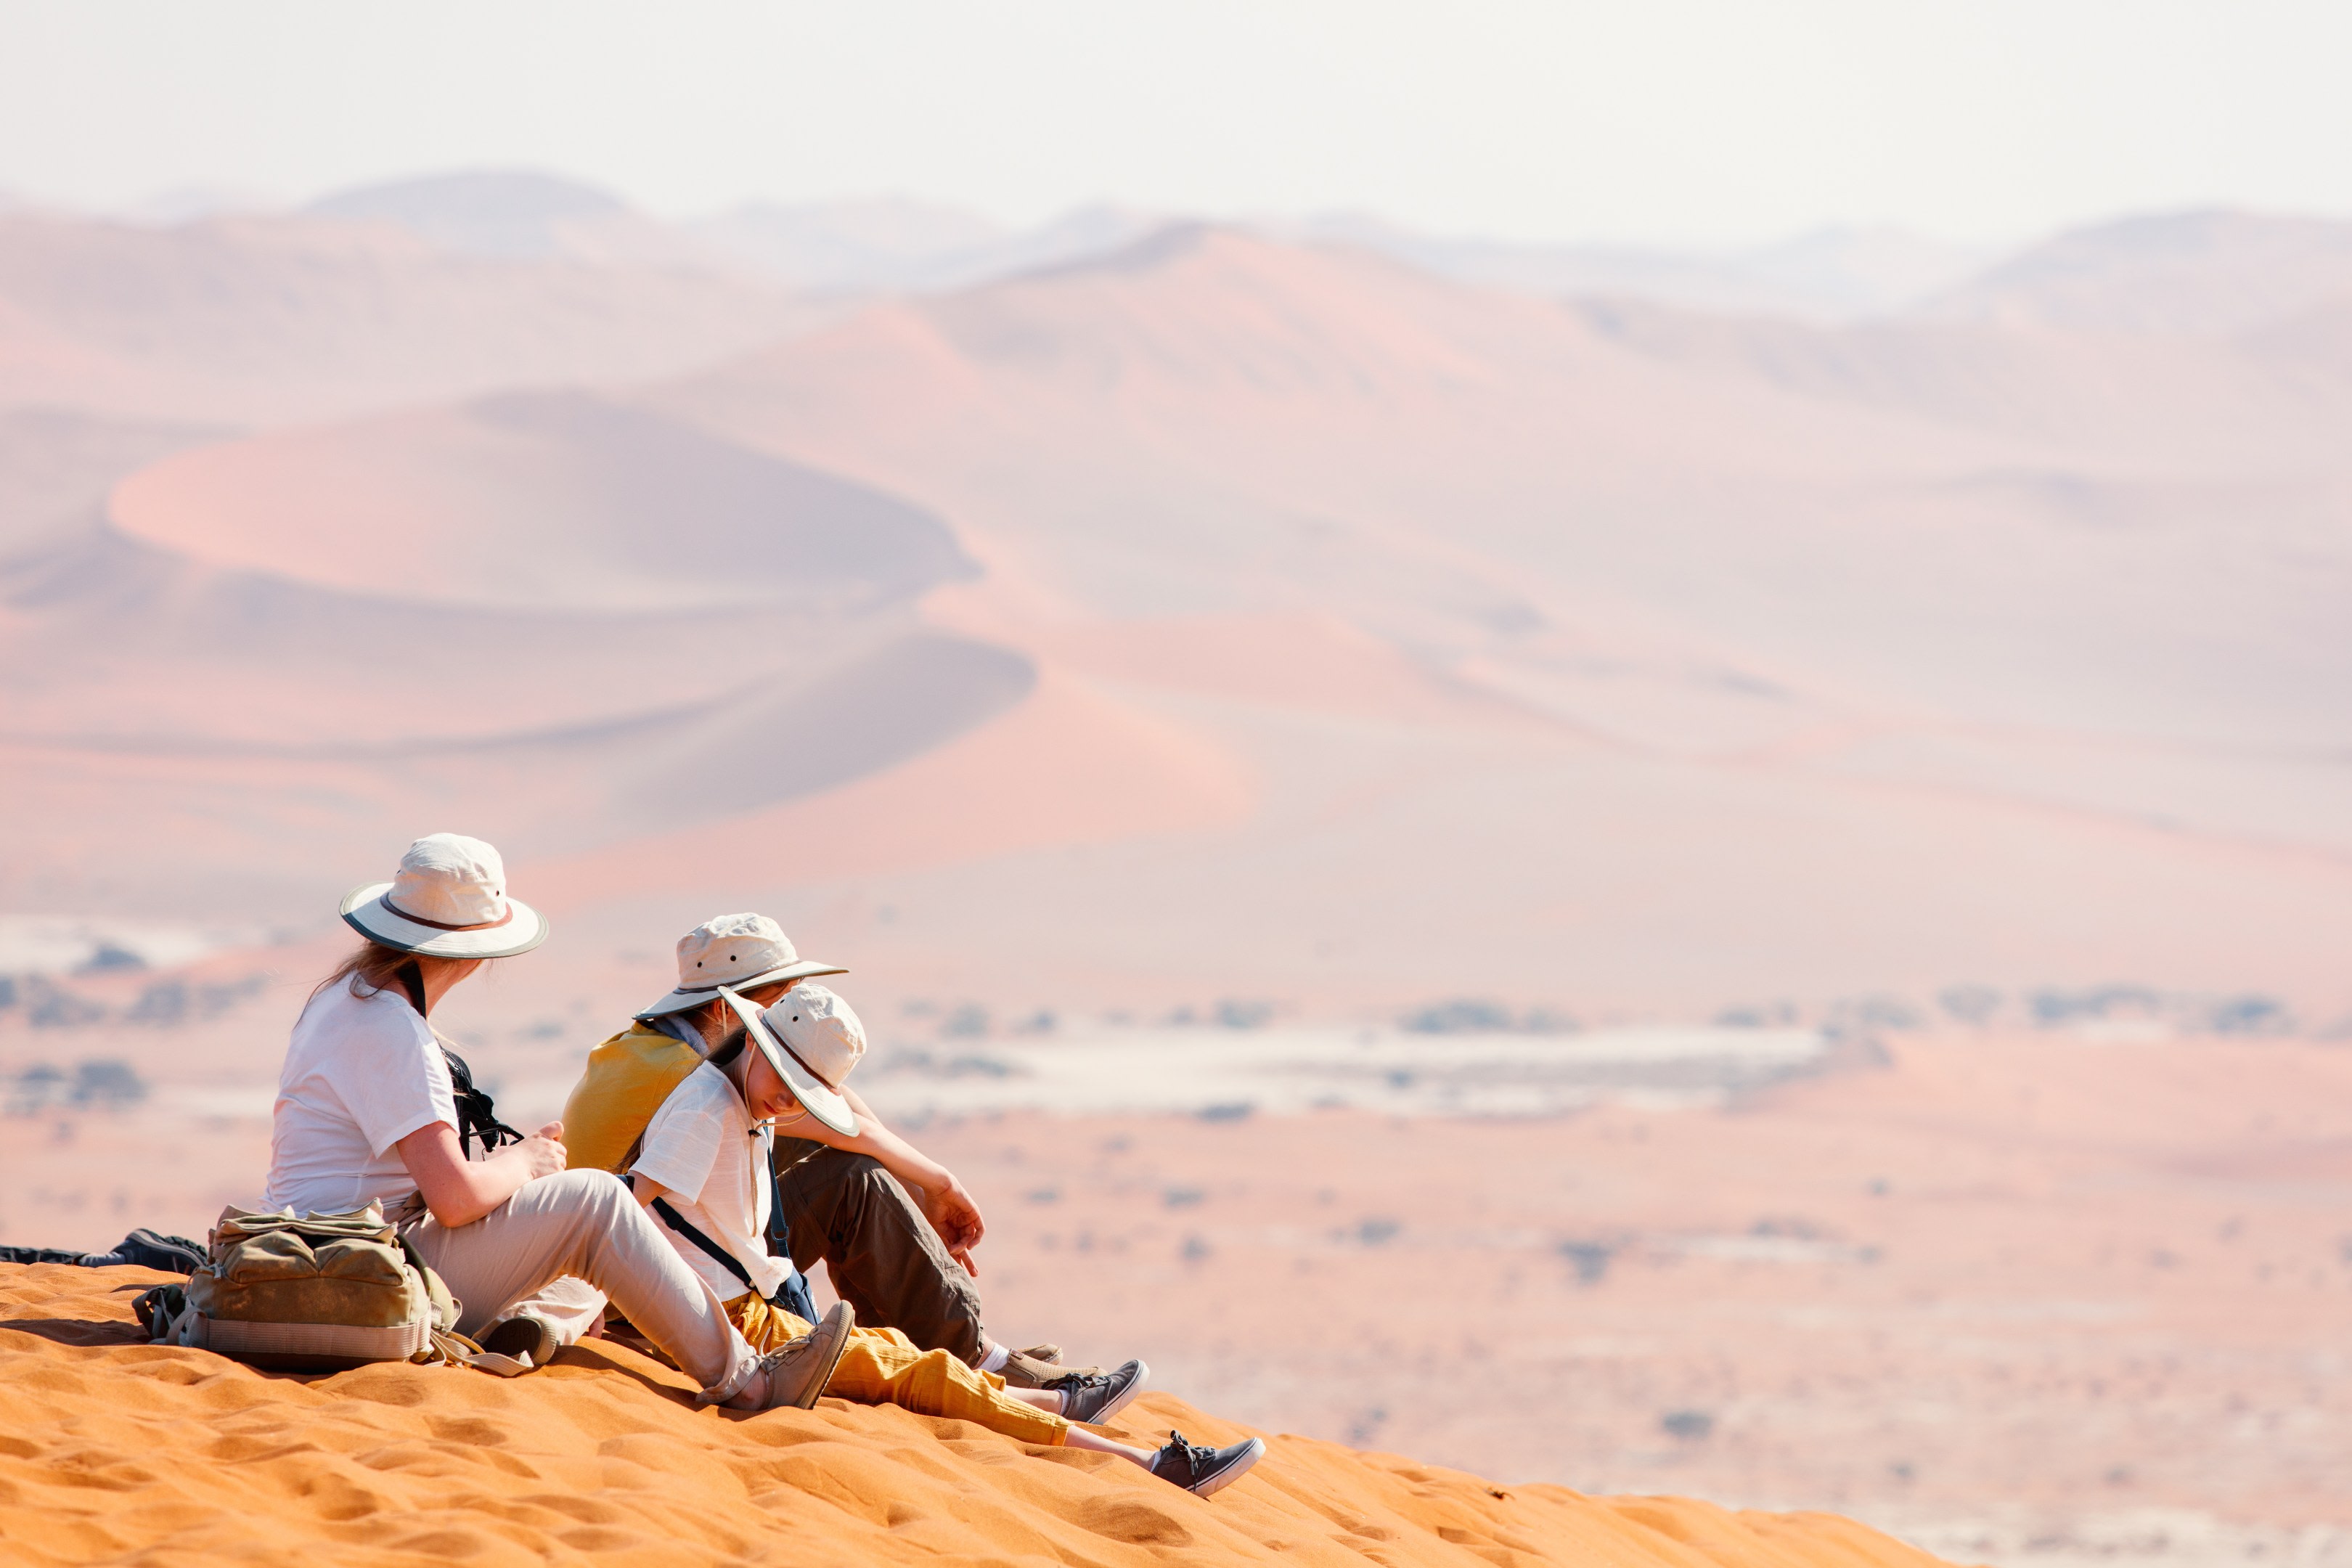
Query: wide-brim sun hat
811, 1038
448, 899
738, 951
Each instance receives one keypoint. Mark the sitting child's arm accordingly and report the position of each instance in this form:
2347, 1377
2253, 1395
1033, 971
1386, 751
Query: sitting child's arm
944, 1200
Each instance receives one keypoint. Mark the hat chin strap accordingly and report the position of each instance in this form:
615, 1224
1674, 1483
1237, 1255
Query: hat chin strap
743, 1008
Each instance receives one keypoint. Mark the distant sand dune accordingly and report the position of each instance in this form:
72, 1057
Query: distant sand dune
542, 502
251, 319
1065, 768
1624, 656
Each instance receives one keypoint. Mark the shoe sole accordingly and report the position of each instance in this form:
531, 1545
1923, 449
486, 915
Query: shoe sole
839, 1328
1125, 1397
1230, 1471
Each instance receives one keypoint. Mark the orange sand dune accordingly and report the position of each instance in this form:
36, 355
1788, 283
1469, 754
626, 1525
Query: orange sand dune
117, 1451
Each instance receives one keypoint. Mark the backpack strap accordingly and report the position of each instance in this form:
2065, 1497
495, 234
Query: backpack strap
159, 1309
478, 1117
725, 1259
793, 1294
449, 1345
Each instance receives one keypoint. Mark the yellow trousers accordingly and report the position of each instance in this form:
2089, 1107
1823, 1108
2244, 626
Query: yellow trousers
882, 1366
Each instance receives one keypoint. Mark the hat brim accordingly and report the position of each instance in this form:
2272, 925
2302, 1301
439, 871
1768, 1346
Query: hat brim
366, 912
685, 997
822, 1102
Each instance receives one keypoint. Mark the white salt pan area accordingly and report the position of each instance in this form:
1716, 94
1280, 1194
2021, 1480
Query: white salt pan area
1284, 1071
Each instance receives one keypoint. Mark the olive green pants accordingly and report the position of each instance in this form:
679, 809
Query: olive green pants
882, 1256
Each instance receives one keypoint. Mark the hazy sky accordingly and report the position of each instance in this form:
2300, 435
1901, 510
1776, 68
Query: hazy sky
1673, 121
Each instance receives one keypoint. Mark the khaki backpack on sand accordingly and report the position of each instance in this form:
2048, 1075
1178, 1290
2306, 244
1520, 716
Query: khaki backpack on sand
322, 1292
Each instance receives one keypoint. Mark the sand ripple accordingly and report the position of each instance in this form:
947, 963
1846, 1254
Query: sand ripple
114, 1451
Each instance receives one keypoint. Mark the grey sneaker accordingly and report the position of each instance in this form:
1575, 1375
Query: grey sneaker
798, 1372
1102, 1396
526, 1338
1203, 1470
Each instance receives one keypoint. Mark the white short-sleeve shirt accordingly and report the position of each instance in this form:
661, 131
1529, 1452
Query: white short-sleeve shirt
702, 1145
361, 1074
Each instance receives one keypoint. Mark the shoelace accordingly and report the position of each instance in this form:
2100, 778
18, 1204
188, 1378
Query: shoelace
1195, 1454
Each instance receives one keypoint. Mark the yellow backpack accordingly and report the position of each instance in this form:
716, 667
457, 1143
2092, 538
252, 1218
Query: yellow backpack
628, 1079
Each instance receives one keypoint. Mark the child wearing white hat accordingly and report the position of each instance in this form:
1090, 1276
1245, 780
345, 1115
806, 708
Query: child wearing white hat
701, 1171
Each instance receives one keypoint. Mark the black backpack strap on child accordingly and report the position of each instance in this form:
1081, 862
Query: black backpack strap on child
793, 1297
724, 1258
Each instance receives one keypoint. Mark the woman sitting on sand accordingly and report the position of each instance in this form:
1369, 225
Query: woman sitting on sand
366, 1111
701, 1171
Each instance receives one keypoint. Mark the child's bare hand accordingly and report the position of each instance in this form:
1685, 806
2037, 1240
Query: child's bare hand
954, 1215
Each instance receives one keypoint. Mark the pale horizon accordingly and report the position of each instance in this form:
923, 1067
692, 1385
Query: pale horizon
1689, 127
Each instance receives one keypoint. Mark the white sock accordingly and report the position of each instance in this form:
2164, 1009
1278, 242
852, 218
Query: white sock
995, 1359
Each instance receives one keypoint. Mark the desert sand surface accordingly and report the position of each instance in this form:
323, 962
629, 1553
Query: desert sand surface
120, 1452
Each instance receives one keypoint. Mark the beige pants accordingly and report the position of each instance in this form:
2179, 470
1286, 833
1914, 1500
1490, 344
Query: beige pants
585, 1224
570, 1307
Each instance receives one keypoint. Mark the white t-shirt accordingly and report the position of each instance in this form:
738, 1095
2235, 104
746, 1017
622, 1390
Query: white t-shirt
361, 1074
702, 1146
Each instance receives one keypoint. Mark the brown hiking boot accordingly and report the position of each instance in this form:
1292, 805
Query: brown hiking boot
1023, 1369
798, 1372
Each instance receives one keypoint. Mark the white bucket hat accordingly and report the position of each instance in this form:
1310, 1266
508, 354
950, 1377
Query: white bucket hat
812, 1039
448, 900
741, 950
